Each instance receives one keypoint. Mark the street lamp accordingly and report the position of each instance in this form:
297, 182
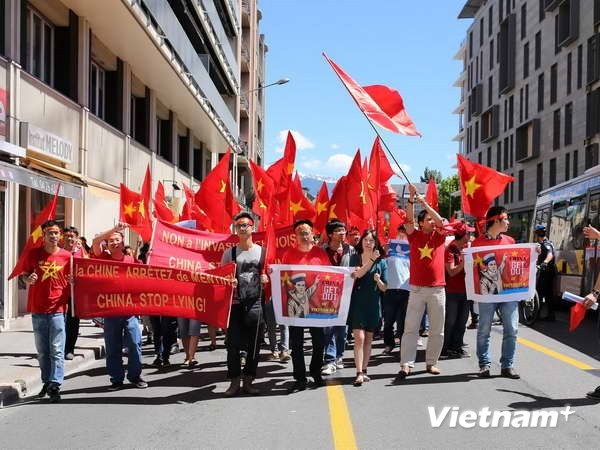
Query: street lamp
280, 81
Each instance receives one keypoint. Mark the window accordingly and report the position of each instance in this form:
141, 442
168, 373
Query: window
538, 50
552, 180
523, 20
521, 178
479, 156
593, 59
490, 90
139, 119
505, 166
569, 68
491, 54
183, 153
512, 189
507, 54
470, 44
163, 139
490, 124
556, 130
526, 60
476, 100
553, 83
499, 155
477, 69
579, 66
540, 102
568, 22
526, 101
575, 163
592, 123
520, 105
489, 156
567, 166
198, 170
481, 31
512, 153
556, 36
528, 141
490, 18
40, 47
539, 185
511, 112
596, 12
97, 90
476, 134
568, 124
542, 10
591, 156
505, 114
501, 10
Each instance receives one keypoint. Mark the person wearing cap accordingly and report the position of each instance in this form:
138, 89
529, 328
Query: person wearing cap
457, 307
340, 254
47, 272
546, 272
497, 223
490, 276
305, 253
298, 297
426, 285
592, 298
116, 326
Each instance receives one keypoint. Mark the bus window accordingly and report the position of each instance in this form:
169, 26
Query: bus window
542, 215
592, 257
566, 225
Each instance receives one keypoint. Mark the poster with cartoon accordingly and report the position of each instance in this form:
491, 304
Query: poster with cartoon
500, 273
311, 296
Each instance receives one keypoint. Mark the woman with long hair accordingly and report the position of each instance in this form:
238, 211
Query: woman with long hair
365, 310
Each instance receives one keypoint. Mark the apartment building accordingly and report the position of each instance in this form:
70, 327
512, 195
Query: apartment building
530, 94
91, 92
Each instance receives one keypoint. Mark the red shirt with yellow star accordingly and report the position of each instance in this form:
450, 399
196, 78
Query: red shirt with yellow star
50, 293
315, 256
427, 258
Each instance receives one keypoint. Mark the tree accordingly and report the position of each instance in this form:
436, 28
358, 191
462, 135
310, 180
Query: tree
448, 203
431, 173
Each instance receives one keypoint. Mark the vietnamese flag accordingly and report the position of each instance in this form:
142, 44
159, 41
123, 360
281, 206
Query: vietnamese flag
35, 239
263, 183
356, 189
479, 186
576, 316
215, 197
337, 202
380, 171
133, 211
382, 104
300, 207
281, 170
388, 198
431, 196
161, 210
321, 206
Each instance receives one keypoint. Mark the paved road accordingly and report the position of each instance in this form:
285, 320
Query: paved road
186, 408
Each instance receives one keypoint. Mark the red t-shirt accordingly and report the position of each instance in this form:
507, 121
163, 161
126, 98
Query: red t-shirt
457, 282
502, 239
50, 293
126, 258
315, 256
426, 258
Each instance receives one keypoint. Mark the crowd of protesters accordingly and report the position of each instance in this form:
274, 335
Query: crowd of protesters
419, 273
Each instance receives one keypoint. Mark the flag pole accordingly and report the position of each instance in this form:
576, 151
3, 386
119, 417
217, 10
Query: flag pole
370, 123
72, 283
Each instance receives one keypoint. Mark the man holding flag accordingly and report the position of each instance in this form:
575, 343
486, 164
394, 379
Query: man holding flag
47, 271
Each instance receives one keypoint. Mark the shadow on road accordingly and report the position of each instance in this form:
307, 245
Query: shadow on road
540, 402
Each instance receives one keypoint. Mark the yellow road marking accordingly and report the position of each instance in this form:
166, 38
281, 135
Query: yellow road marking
341, 425
554, 354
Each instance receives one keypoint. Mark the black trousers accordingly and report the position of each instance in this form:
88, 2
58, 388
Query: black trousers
71, 332
457, 313
164, 335
297, 346
544, 287
395, 302
245, 326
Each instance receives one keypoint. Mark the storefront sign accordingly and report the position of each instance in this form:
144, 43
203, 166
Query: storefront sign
46, 143
16, 174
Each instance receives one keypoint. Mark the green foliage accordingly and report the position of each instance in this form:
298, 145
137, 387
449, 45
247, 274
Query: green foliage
431, 173
448, 204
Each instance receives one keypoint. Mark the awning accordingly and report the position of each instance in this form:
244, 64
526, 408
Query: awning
40, 182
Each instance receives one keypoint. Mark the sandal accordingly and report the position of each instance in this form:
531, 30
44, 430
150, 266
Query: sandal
366, 378
212, 347
192, 362
359, 379
186, 362
404, 372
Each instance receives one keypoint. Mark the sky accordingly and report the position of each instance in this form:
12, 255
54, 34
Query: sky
403, 44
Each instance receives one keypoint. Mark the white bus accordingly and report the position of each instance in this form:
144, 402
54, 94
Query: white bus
565, 209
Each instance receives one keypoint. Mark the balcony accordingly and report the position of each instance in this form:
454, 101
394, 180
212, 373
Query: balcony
246, 13
245, 58
244, 105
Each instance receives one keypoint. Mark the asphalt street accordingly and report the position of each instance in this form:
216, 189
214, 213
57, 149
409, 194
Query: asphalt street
186, 408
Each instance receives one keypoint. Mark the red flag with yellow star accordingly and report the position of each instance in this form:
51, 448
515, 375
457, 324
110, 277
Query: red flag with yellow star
337, 202
281, 170
35, 239
300, 207
431, 196
479, 186
161, 210
215, 196
356, 189
134, 211
263, 194
321, 207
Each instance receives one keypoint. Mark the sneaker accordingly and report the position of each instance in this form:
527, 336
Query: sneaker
243, 359
329, 369
166, 363
509, 372
54, 393
274, 356
44, 390
284, 356
140, 384
339, 364
484, 372
157, 362
455, 354
297, 386
594, 395
69, 356
115, 386
420, 342
174, 348
387, 350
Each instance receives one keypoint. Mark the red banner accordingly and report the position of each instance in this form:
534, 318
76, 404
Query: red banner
195, 250
110, 288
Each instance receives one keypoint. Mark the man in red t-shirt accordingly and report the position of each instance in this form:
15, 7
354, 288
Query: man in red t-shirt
496, 224
457, 306
47, 272
307, 253
115, 326
426, 285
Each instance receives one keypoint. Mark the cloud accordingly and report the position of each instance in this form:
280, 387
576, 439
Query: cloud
312, 164
335, 147
405, 167
302, 142
339, 162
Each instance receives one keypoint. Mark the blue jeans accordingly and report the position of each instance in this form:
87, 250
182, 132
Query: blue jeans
114, 327
509, 313
50, 336
335, 343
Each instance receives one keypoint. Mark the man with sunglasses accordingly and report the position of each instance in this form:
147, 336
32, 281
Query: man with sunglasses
245, 319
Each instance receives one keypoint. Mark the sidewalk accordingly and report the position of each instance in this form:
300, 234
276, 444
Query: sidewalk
19, 369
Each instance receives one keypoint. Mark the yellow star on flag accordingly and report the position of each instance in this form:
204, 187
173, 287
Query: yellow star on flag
285, 278
328, 277
332, 214
478, 260
223, 186
260, 185
129, 209
37, 234
141, 209
296, 207
261, 205
290, 168
471, 186
515, 253
362, 193
321, 207
370, 187
50, 270
426, 252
